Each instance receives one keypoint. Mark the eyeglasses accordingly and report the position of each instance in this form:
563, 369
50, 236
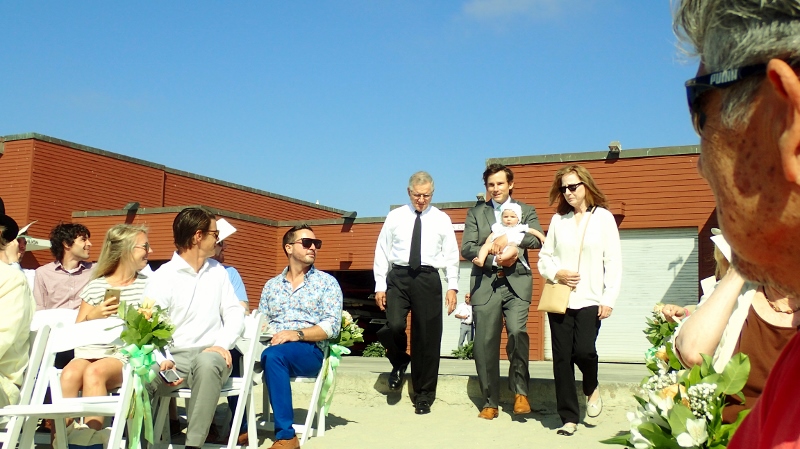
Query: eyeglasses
424, 196
571, 187
306, 242
696, 87
145, 246
214, 233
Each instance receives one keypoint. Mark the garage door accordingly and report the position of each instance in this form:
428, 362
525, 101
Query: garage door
658, 265
452, 325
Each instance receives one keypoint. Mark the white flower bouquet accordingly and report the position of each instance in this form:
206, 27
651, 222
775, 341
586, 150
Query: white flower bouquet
350, 332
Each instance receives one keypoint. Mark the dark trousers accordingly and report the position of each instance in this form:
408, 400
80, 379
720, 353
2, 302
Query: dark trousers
421, 294
573, 337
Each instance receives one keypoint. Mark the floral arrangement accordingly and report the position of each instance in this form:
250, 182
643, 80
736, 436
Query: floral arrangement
682, 408
658, 330
374, 349
350, 332
147, 328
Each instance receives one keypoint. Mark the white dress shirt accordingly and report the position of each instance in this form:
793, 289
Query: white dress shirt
439, 245
202, 305
600, 262
464, 309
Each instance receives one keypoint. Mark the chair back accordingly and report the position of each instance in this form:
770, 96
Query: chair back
53, 318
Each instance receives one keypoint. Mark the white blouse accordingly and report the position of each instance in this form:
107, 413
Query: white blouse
600, 263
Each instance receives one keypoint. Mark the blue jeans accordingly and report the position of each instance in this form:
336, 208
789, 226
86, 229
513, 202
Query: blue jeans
281, 362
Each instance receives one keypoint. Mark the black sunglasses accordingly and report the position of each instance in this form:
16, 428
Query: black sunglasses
306, 242
571, 187
696, 87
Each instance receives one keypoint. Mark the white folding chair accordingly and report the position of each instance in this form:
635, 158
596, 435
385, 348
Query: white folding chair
316, 408
60, 340
10, 434
235, 386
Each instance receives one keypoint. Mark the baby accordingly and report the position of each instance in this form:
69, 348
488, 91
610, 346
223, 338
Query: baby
510, 214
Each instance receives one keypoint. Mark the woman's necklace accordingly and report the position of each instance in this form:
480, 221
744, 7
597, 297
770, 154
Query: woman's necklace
775, 306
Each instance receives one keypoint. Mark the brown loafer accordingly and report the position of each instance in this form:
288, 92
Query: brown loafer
489, 413
521, 405
294, 443
243, 439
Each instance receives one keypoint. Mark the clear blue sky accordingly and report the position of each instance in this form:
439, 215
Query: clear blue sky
340, 101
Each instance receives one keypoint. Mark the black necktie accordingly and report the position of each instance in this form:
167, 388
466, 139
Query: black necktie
415, 258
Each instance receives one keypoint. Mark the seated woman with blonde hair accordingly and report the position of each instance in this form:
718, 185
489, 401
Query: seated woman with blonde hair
98, 368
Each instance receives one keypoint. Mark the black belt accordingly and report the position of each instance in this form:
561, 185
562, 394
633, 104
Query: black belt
423, 268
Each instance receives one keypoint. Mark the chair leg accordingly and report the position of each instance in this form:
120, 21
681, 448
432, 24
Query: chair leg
159, 426
252, 427
61, 433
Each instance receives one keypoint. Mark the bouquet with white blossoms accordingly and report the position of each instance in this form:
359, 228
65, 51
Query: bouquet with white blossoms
350, 332
658, 330
683, 409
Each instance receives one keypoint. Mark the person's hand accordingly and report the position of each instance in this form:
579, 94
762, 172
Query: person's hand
507, 262
169, 364
673, 313
380, 300
284, 336
223, 352
450, 300
499, 243
604, 312
568, 278
12, 251
104, 310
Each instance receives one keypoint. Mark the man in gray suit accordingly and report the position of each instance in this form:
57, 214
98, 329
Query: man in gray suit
501, 288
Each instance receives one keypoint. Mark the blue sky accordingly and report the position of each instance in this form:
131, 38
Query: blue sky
340, 101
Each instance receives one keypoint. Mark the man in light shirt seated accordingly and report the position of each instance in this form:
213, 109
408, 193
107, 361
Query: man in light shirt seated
207, 316
304, 306
58, 283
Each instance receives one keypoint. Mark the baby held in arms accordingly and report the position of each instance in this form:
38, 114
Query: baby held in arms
509, 225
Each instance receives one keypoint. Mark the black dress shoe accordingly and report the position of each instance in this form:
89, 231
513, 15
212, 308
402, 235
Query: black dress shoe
396, 377
422, 408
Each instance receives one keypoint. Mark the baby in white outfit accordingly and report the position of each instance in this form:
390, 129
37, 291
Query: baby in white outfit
510, 214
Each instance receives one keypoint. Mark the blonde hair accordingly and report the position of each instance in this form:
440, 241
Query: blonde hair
117, 248
594, 197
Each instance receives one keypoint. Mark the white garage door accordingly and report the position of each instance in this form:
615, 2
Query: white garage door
658, 265
452, 325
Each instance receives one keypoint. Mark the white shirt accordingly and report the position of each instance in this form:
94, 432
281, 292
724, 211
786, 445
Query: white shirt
600, 263
201, 305
464, 309
439, 245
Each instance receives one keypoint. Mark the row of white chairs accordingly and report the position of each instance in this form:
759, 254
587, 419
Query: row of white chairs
55, 331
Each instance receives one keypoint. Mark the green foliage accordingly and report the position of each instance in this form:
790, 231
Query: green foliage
464, 352
658, 330
140, 331
374, 349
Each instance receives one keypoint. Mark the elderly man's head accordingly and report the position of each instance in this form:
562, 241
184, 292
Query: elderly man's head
745, 105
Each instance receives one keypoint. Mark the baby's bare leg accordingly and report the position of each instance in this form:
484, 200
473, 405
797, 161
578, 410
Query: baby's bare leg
508, 252
483, 253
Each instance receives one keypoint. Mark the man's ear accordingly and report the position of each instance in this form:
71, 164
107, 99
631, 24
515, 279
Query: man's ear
786, 88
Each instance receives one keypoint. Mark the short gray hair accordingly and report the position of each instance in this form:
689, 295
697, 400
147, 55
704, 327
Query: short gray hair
420, 177
727, 34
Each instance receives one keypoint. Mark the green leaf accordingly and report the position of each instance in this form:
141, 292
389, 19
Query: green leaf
735, 374
677, 418
694, 377
658, 436
620, 440
162, 333
707, 367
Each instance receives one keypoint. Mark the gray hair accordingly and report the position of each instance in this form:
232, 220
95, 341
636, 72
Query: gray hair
727, 34
420, 177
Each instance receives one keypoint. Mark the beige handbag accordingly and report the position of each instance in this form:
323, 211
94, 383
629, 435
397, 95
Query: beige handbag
555, 296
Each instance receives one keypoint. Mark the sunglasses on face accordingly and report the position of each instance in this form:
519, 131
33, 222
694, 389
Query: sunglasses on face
145, 246
306, 242
571, 187
697, 87
214, 233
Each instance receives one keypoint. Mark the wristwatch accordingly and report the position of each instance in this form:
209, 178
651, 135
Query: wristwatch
301, 336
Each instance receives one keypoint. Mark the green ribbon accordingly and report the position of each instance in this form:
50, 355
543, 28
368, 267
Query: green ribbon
329, 368
140, 359
650, 353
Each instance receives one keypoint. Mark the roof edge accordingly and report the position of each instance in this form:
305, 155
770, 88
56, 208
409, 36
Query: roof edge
88, 149
597, 155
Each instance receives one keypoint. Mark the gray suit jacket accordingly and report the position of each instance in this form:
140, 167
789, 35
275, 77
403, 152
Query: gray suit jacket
477, 228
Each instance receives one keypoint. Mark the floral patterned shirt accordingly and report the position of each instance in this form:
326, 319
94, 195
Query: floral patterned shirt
316, 301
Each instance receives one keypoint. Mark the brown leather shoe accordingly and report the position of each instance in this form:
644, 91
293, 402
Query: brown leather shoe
242, 440
489, 413
294, 443
521, 405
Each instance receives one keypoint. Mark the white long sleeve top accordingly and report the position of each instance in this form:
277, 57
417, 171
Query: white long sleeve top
202, 305
601, 261
439, 245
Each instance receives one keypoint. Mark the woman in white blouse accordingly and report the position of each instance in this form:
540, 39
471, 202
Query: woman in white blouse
581, 215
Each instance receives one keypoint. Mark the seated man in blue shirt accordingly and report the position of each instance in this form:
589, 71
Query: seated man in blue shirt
304, 307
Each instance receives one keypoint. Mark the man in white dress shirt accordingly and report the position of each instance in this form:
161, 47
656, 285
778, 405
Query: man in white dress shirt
206, 313
415, 242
